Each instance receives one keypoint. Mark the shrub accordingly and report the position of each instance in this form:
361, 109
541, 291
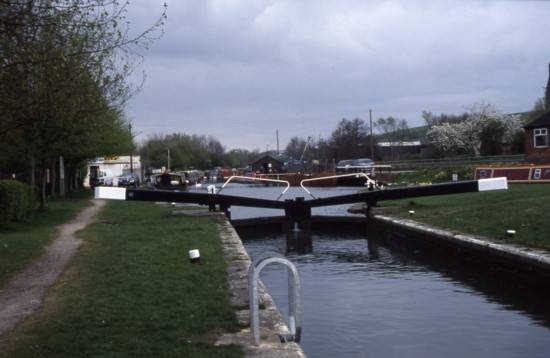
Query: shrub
16, 201
434, 175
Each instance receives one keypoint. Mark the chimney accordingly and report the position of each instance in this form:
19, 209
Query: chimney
547, 94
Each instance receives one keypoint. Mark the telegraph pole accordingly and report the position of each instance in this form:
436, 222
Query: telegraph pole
277, 142
371, 139
131, 149
168, 164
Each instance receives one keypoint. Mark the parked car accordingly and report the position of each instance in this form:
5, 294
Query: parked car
194, 176
131, 179
105, 181
363, 165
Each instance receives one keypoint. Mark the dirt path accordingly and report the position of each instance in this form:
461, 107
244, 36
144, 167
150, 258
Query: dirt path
25, 291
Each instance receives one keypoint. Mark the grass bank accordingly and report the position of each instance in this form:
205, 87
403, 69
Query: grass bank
22, 242
132, 292
524, 208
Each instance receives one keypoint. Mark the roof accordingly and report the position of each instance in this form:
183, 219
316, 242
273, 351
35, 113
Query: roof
266, 157
355, 163
542, 121
412, 143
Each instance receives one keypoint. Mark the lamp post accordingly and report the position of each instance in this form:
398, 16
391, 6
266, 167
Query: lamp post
371, 139
131, 149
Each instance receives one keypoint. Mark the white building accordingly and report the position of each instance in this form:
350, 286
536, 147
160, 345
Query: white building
110, 168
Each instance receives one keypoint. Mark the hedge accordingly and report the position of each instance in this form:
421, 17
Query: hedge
434, 175
16, 201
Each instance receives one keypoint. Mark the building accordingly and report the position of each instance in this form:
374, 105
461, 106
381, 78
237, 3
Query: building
536, 133
398, 150
267, 164
536, 140
112, 167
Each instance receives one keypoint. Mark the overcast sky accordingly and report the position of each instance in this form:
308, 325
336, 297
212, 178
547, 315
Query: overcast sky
240, 69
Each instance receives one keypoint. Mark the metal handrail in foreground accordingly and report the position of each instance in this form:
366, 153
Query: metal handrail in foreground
257, 179
357, 175
294, 312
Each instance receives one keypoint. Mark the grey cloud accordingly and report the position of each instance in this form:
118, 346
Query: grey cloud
303, 65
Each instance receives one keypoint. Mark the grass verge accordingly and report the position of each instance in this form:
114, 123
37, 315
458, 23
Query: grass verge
20, 243
132, 292
523, 207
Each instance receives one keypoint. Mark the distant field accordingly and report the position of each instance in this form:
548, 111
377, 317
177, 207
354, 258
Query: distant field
524, 208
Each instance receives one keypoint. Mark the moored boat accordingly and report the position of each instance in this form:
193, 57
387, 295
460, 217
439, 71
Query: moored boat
177, 181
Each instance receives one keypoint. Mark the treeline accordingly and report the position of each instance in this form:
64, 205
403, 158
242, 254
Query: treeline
64, 75
180, 151
481, 130
350, 139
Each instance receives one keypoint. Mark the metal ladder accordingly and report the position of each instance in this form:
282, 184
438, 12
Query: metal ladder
294, 311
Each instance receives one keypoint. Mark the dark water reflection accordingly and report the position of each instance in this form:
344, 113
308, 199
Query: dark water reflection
362, 299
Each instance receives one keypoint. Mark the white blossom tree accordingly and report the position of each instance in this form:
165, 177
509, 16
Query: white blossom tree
467, 134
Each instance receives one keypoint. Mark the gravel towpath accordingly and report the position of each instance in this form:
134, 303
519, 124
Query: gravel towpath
24, 293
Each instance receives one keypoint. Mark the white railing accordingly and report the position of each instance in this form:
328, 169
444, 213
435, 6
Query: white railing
368, 182
257, 179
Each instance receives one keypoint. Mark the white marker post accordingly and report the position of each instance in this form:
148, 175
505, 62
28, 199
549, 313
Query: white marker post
106, 192
492, 184
194, 256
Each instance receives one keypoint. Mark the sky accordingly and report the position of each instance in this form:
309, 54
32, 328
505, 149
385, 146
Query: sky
240, 70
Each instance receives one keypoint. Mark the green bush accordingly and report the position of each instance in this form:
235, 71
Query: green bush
16, 201
433, 175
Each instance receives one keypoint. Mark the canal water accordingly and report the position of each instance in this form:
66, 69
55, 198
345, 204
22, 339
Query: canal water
361, 298
273, 192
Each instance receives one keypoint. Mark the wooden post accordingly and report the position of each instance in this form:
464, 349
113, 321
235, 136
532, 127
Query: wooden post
61, 176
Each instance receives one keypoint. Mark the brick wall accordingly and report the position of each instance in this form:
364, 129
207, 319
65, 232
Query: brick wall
535, 155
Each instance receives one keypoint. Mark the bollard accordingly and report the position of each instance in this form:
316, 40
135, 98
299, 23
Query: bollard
194, 256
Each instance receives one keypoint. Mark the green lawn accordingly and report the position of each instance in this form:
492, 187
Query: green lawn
524, 208
22, 242
132, 292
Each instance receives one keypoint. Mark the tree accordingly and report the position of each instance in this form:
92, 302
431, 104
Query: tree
538, 110
432, 119
295, 147
350, 140
239, 158
186, 151
385, 125
392, 129
469, 134
63, 76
